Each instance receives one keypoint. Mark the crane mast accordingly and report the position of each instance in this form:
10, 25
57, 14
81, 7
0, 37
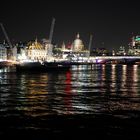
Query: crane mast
51, 30
90, 42
6, 36
9, 53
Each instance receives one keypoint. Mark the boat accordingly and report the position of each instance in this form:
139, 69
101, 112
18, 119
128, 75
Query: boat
41, 67
59, 66
28, 66
5, 63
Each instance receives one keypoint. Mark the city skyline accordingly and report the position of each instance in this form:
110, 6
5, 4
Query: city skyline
110, 23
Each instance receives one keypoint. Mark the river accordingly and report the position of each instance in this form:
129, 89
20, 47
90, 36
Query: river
86, 100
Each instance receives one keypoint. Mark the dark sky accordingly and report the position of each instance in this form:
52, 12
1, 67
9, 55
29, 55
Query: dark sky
111, 22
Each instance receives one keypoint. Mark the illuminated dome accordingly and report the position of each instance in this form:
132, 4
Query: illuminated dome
78, 44
35, 46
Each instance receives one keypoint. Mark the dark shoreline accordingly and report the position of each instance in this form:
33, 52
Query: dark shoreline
57, 126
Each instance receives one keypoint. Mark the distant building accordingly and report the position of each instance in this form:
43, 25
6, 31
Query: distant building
3, 51
75, 49
48, 48
99, 52
35, 51
77, 45
121, 51
14, 53
66, 50
21, 52
134, 46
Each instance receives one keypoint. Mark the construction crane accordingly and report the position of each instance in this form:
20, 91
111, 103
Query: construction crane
9, 53
51, 30
90, 42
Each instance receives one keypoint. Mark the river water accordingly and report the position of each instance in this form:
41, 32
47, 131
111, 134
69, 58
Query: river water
98, 100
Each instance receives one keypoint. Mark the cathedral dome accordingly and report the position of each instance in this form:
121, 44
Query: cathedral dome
78, 44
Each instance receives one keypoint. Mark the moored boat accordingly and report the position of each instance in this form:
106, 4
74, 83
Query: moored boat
5, 63
41, 67
27, 66
56, 66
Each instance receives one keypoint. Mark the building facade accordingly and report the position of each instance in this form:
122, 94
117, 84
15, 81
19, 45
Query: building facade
36, 52
134, 46
3, 51
77, 45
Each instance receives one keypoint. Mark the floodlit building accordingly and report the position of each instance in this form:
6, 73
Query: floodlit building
75, 50
66, 50
36, 52
77, 45
134, 46
3, 52
121, 51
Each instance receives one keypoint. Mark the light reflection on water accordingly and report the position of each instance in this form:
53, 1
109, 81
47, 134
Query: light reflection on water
82, 90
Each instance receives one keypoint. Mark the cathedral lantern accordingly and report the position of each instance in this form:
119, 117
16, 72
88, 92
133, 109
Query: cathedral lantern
78, 44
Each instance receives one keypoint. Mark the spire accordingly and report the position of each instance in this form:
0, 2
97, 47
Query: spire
4, 42
36, 40
63, 46
78, 36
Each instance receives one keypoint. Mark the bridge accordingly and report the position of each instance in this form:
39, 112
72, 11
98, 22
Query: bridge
115, 59
107, 59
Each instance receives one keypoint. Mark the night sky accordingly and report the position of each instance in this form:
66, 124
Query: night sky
111, 22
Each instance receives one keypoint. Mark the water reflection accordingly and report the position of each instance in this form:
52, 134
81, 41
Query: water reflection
133, 86
68, 91
113, 78
82, 90
124, 73
135, 73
